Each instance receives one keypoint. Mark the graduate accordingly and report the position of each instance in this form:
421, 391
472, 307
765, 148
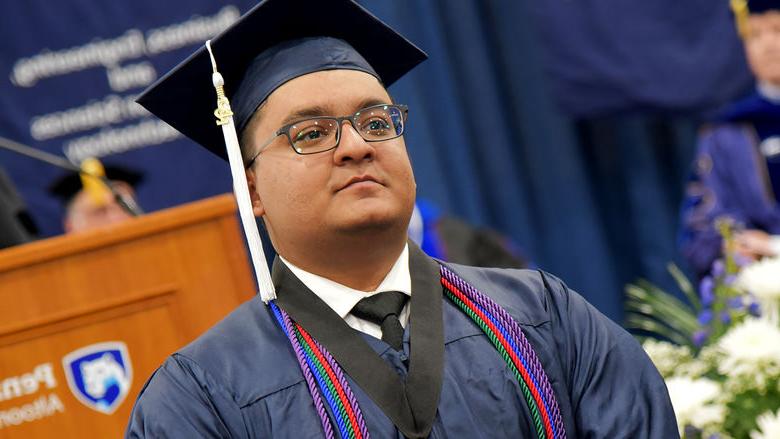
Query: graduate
737, 169
357, 333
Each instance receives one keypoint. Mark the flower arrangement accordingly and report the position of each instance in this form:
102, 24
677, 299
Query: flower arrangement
719, 352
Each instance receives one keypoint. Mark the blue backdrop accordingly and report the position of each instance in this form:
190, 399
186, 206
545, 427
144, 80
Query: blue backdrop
512, 120
606, 56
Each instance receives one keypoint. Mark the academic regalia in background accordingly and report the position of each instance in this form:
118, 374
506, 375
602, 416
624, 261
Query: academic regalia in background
241, 379
736, 175
89, 203
66, 186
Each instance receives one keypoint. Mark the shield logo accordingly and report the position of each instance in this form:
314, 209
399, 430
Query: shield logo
99, 375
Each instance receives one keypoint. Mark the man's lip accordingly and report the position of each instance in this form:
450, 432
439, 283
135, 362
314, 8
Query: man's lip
358, 179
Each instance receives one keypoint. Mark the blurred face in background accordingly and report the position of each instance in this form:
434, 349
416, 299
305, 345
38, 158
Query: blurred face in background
84, 213
762, 45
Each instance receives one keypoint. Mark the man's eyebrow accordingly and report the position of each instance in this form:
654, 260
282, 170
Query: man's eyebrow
305, 112
318, 110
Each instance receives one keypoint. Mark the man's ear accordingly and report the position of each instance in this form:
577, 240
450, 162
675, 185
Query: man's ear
257, 203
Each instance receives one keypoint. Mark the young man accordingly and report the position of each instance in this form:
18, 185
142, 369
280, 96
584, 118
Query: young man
368, 335
737, 170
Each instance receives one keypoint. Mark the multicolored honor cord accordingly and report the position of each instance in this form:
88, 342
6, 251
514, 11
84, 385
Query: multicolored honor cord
318, 365
507, 337
327, 381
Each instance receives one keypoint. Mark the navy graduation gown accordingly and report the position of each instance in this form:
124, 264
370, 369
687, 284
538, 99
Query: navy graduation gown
732, 178
241, 379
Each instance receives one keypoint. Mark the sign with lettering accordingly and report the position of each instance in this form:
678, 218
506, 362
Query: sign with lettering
68, 86
40, 378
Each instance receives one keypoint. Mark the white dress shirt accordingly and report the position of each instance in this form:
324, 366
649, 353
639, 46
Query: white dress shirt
342, 298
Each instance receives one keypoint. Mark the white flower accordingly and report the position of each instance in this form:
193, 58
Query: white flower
762, 279
667, 357
694, 402
751, 348
768, 426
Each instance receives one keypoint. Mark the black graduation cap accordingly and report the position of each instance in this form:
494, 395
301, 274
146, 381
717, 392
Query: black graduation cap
761, 6
274, 42
67, 186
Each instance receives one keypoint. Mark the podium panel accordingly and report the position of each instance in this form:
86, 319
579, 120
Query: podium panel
85, 319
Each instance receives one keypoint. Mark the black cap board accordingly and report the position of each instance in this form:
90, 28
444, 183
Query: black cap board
185, 97
761, 6
67, 186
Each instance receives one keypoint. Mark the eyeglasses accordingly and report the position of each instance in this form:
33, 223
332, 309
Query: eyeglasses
322, 133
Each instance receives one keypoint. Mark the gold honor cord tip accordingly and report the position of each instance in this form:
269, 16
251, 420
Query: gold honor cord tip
741, 13
92, 173
223, 113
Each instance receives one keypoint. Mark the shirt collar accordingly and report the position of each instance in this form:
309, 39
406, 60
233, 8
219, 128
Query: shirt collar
343, 298
769, 91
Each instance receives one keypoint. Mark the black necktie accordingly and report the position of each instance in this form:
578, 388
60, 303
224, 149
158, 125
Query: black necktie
384, 309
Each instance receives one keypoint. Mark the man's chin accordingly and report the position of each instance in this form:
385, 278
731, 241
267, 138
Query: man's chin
367, 227
367, 223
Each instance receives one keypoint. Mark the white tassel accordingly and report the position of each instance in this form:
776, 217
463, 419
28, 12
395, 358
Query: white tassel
240, 188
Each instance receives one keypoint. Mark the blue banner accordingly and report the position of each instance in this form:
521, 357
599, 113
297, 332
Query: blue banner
69, 74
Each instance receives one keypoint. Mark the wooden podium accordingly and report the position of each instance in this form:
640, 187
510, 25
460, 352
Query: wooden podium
101, 310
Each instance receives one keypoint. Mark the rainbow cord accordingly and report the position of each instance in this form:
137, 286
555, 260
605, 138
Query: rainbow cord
509, 340
318, 366
325, 378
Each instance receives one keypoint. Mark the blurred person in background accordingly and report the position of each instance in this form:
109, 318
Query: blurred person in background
453, 240
737, 168
90, 209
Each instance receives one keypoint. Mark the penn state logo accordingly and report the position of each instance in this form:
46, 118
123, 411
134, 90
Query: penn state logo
99, 375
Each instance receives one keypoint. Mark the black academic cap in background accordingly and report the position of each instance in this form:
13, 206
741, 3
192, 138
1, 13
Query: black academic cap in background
761, 6
259, 44
67, 186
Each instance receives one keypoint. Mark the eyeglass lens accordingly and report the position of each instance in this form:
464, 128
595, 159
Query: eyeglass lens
373, 124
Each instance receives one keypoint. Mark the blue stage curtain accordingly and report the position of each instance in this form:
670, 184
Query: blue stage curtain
606, 56
593, 201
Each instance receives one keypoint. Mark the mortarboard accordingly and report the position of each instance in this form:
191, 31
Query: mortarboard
761, 6
743, 8
276, 41
67, 186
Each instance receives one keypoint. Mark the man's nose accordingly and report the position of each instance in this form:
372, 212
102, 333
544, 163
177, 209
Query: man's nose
352, 147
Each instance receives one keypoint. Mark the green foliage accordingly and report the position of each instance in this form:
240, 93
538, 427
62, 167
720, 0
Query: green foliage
651, 310
746, 406
722, 385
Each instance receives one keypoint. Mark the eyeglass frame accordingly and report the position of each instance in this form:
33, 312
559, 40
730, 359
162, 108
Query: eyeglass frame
340, 121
